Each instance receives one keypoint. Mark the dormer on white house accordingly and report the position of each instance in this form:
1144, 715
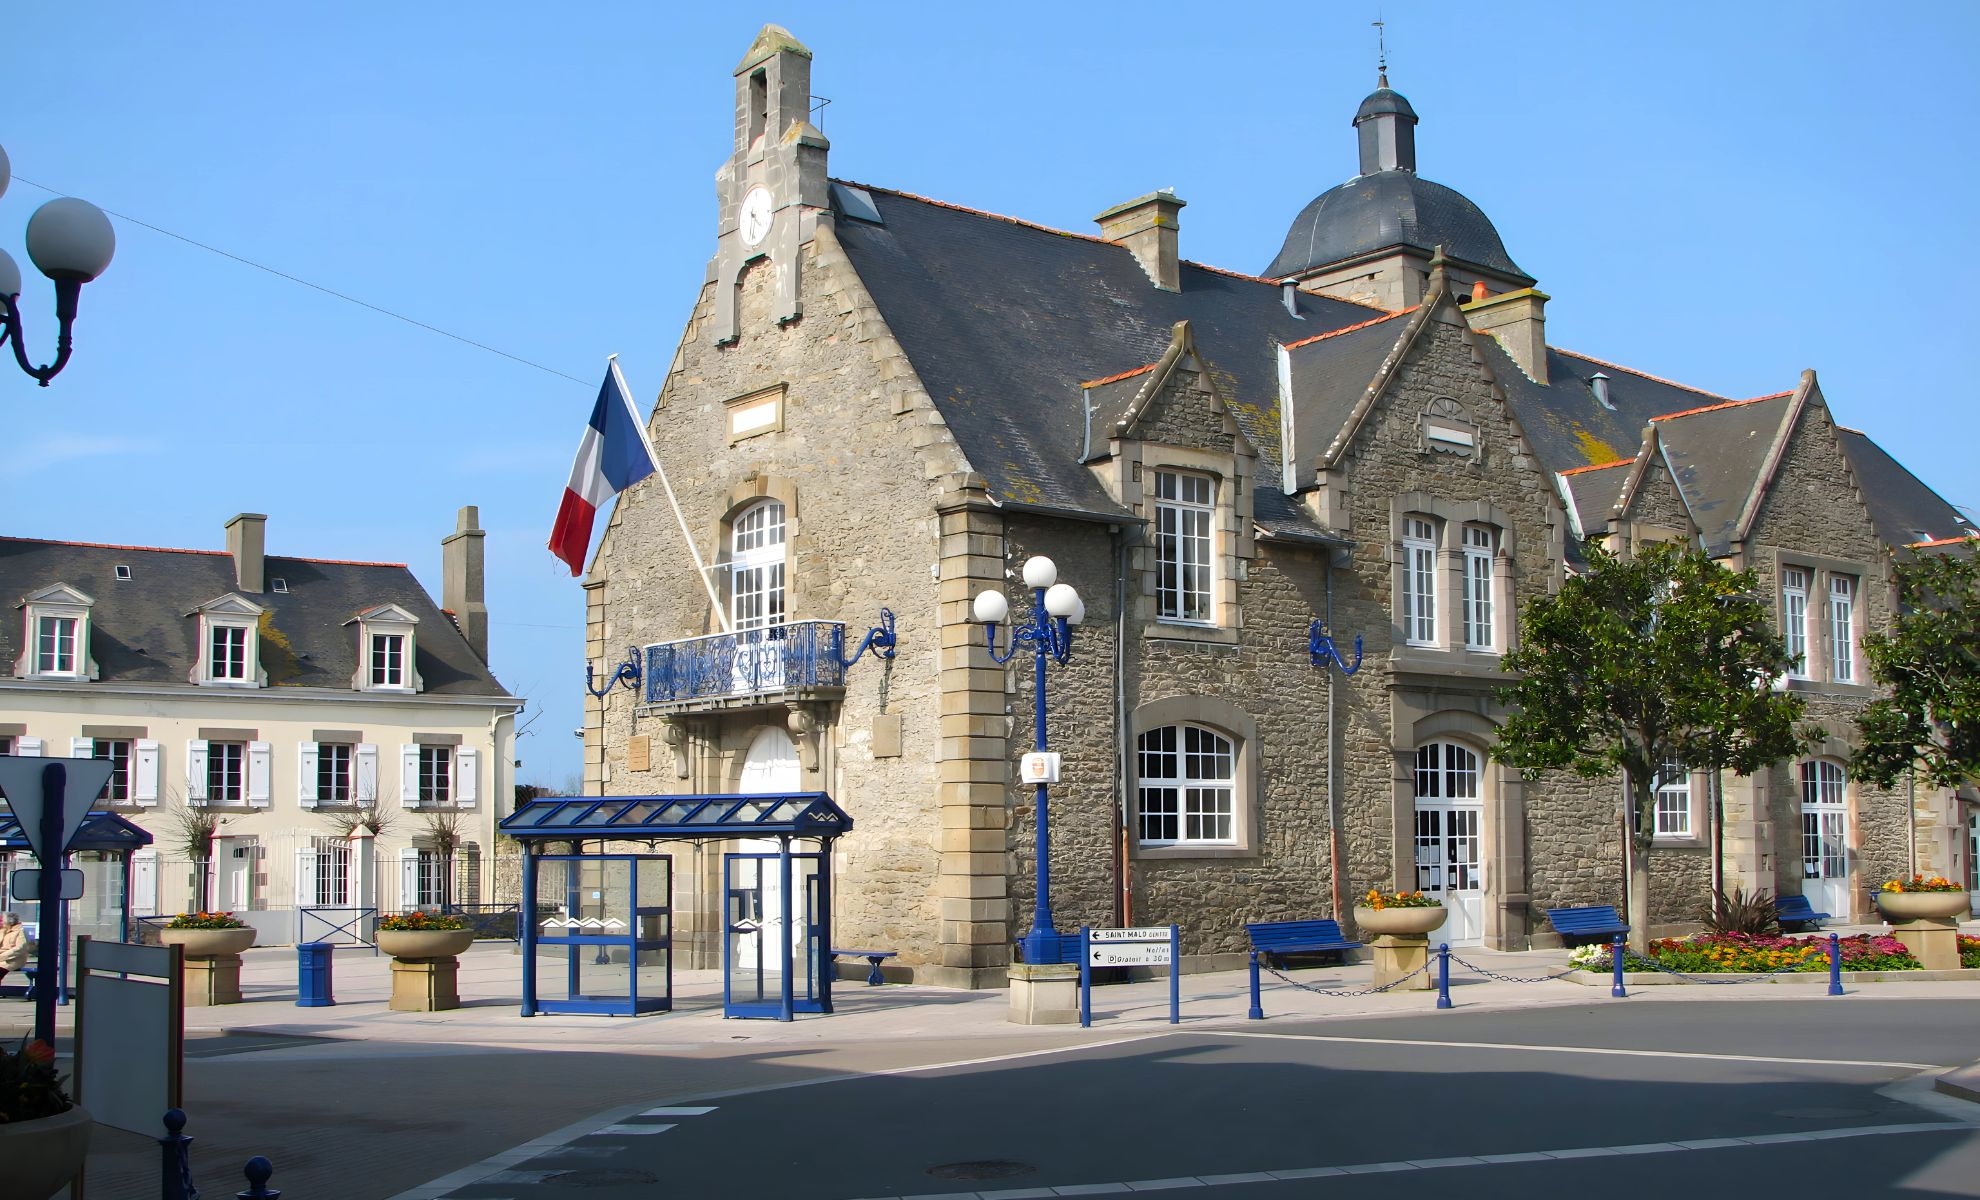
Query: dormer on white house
56, 641
385, 650
229, 643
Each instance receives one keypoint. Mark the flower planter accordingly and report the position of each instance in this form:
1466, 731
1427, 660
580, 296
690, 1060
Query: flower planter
1399, 921
1914, 906
425, 943
207, 943
42, 1155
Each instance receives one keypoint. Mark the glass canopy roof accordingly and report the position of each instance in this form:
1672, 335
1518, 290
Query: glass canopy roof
100, 831
563, 818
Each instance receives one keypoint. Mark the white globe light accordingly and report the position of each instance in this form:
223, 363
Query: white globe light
1040, 572
10, 275
1078, 616
1061, 600
991, 607
70, 239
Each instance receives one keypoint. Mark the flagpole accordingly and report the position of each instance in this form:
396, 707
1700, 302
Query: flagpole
639, 423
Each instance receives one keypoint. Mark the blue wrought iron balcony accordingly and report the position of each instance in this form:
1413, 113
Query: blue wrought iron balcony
800, 656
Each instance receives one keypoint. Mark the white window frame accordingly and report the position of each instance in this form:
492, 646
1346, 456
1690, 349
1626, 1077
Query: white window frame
387, 657
1480, 609
57, 640
226, 652
386, 620
1842, 628
758, 541
118, 788
231, 612
1824, 794
445, 794
1794, 618
1672, 816
63, 611
213, 763
1419, 581
1185, 548
1196, 788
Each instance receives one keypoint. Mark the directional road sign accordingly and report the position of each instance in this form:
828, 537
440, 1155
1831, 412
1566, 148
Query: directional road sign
21, 783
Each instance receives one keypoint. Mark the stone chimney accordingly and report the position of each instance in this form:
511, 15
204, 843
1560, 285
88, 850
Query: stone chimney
1147, 227
1520, 321
247, 542
461, 582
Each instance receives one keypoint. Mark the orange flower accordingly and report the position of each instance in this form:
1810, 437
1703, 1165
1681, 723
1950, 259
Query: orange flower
39, 1052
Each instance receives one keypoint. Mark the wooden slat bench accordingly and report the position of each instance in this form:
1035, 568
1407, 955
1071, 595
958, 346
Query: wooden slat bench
1591, 922
1276, 939
875, 957
1795, 910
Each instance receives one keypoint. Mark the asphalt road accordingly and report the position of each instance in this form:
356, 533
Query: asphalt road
1816, 1099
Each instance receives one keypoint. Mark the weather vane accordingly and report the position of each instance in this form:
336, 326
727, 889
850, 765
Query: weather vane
1381, 49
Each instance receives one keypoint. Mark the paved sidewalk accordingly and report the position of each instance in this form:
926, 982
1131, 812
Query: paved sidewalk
358, 1101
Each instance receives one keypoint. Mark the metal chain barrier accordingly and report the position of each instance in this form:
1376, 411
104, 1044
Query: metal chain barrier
1494, 975
1282, 977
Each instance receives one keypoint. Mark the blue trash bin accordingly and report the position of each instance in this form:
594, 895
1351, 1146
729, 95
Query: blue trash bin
313, 961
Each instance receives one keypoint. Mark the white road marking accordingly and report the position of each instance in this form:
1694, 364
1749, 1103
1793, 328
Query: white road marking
678, 1112
1751, 1058
1434, 1164
640, 1130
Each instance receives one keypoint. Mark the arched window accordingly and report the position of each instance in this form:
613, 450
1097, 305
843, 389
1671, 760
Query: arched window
1188, 787
756, 566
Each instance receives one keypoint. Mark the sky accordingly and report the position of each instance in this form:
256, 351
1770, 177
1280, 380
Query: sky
1719, 194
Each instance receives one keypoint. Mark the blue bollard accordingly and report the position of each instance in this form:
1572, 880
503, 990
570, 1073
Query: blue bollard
1616, 958
1443, 974
258, 1171
1257, 1012
1835, 965
313, 975
176, 1167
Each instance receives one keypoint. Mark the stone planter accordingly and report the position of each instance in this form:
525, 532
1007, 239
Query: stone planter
1913, 906
1402, 921
425, 943
41, 1156
207, 943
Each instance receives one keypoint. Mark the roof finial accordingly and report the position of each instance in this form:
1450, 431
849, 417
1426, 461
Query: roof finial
1381, 50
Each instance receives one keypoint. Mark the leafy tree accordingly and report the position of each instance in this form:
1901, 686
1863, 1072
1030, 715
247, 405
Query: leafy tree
1930, 661
1664, 657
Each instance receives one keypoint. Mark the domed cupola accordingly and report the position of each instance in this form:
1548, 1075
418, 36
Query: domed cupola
1371, 238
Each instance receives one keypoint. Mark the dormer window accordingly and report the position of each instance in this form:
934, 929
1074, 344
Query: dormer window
56, 645
387, 650
230, 643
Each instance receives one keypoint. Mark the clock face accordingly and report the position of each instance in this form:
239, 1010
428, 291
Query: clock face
756, 216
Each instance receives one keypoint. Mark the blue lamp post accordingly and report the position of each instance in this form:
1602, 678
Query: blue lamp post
71, 241
1055, 609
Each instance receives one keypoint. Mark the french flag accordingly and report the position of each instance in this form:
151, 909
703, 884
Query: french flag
614, 455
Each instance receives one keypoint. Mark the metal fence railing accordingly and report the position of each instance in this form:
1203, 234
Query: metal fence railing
776, 658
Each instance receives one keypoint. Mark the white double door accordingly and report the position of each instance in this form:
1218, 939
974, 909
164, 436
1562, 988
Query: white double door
1450, 821
1825, 838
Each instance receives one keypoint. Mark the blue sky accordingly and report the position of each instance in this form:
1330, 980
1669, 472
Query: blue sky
1718, 194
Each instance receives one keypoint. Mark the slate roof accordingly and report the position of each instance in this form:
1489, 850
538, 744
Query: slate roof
1386, 209
140, 633
1593, 491
1003, 320
1717, 452
1904, 509
1330, 374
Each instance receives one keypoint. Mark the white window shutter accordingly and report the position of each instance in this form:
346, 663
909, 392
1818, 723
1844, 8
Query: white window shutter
144, 772
260, 769
306, 774
467, 777
306, 877
27, 747
408, 775
144, 882
364, 773
196, 770
82, 747
408, 879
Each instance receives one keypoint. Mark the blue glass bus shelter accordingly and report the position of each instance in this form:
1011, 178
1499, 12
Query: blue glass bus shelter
102, 847
605, 917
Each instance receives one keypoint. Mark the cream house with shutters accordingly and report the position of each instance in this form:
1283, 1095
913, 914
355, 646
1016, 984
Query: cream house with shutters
338, 732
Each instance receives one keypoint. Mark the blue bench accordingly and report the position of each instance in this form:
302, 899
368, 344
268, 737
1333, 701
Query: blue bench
1591, 922
1275, 939
1795, 910
875, 957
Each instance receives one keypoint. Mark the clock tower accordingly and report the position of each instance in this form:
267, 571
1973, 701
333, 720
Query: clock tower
773, 187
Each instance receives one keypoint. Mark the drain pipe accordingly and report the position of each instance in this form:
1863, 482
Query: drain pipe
1123, 764
1333, 756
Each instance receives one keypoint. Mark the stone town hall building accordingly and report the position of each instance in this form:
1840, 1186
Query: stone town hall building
887, 400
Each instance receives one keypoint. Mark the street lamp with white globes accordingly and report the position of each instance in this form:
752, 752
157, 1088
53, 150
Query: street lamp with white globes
71, 241
1055, 608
